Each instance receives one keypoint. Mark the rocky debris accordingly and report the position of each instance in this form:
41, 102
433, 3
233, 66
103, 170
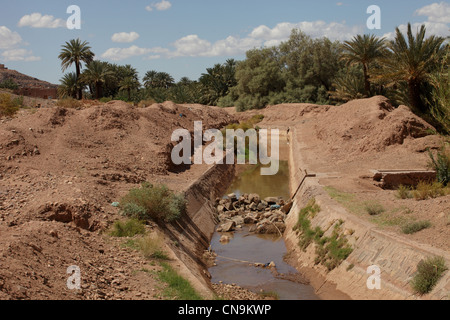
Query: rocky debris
234, 292
264, 216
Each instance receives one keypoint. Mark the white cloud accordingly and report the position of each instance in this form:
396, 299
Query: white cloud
8, 38
117, 54
436, 12
160, 6
437, 29
19, 55
316, 29
125, 37
194, 46
37, 20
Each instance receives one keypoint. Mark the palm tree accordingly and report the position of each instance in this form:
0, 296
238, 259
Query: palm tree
97, 73
128, 84
364, 50
76, 52
149, 79
164, 80
69, 86
412, 60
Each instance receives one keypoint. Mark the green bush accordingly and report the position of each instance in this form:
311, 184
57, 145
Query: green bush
428, 274
441, 164
9, 84
414, 227
374, 208
426, 190
157, 203
7, 106
128, 228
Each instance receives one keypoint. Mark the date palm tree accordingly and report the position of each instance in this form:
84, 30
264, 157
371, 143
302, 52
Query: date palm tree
97, 73
76, 52
149, 79
364, 50
128, 84
412, 59
69, 86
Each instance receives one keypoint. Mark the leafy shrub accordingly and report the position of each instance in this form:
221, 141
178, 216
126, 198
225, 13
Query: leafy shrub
9, 84
428, 274
128, 228
7, 106
414, 227
69, 103
374, 208
441, 164
153, 202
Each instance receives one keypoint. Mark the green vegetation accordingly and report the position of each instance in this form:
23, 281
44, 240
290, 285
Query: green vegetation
404, 192
8, 106
128, 228
425, 190
9, 84
374, 208
441, 164
330, 251
150, 246
177, 288
414, 227
429, 272
153, 202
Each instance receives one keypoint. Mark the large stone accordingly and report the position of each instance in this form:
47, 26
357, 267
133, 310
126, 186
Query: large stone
232, 197
228, 226
254, 198
271, 200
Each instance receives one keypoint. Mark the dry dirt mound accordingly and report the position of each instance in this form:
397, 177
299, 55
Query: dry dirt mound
61, 169
370, 125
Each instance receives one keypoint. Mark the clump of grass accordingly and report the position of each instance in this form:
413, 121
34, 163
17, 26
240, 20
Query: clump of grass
414, 227
425, 190
429, 272
8, 107
330, 251
151, 247
374, 208
157, 203
177, 288
69, 103
404, 192
129, 228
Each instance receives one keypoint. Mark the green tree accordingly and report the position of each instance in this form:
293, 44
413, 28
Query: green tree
69, 86
96, 74
260, 79
218, 80
412, 59
128, 84
76, 52
364, 50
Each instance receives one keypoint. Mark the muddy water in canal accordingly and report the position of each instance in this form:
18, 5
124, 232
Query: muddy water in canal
236, 259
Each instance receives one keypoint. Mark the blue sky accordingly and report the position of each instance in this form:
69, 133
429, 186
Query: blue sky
184, 37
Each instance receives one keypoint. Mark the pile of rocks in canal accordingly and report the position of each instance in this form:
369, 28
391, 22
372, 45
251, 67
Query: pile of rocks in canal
265, 216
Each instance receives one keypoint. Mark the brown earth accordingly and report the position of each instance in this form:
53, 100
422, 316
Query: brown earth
61, 169
23, 80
